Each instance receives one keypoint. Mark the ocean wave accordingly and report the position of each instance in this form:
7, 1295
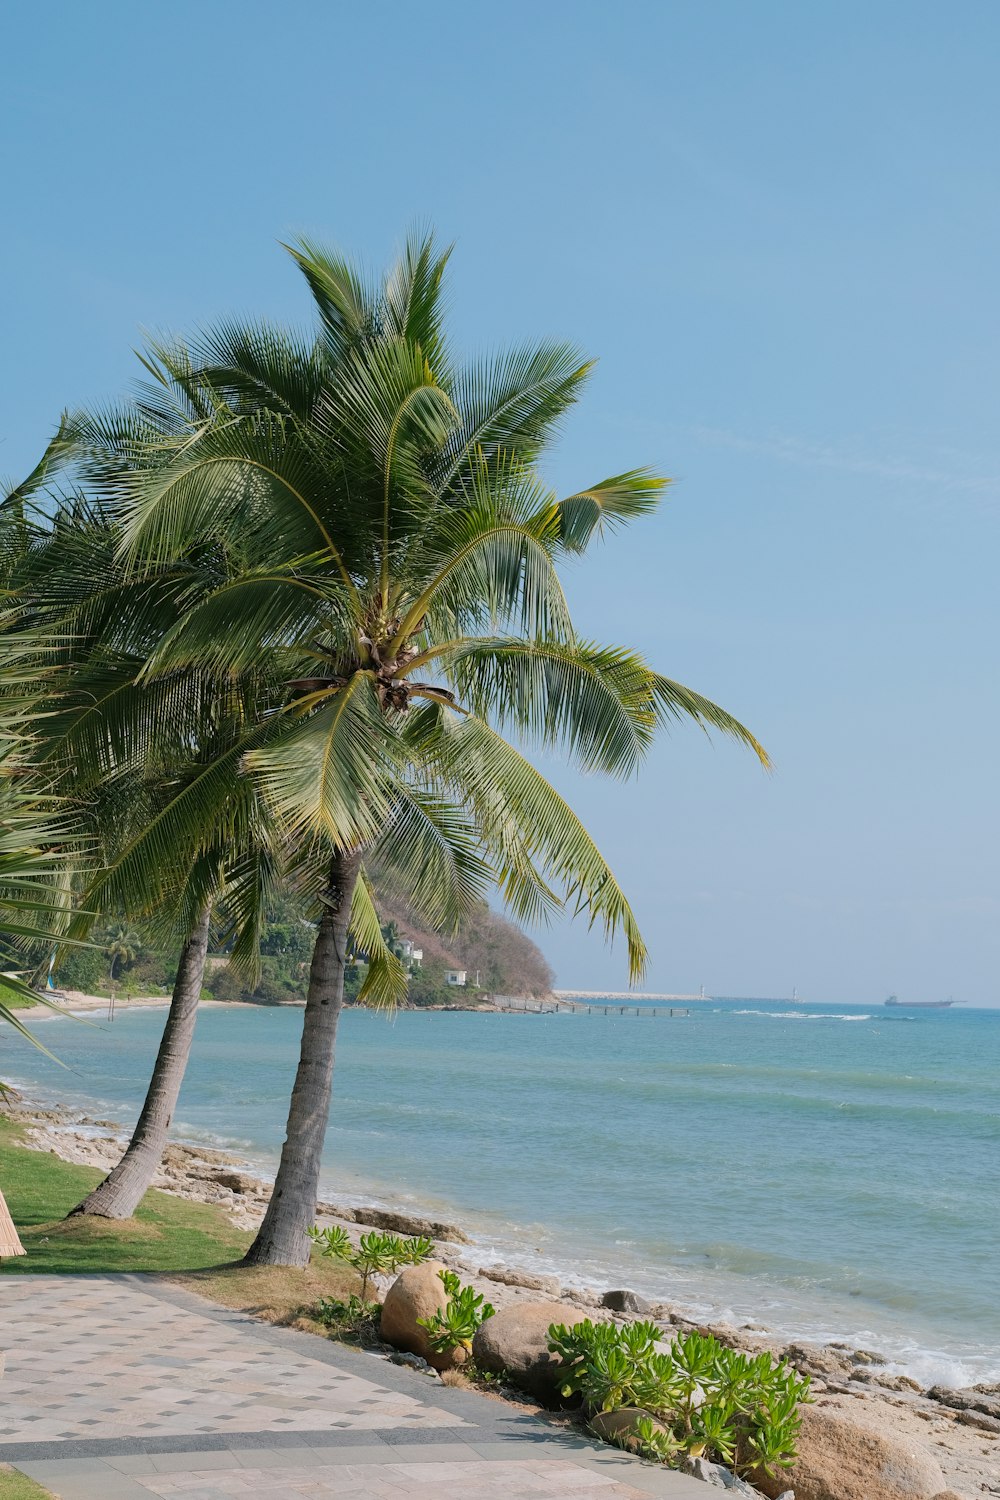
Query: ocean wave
804, 1015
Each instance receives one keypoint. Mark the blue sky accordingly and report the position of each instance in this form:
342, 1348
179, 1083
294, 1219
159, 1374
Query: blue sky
778, 227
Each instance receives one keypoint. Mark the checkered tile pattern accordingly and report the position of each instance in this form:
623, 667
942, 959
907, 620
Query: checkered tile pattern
86, 1361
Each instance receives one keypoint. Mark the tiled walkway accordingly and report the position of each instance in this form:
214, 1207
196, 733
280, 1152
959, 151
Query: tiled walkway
120, 1387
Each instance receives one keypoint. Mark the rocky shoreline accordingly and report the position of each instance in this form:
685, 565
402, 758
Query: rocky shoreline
959, 1429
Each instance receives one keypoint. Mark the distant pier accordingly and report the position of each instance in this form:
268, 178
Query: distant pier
633, 995
574, 1001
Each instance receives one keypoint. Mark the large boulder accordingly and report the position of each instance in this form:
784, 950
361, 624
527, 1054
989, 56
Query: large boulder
840, 1460
416, 1293
515, 1341
620, 1426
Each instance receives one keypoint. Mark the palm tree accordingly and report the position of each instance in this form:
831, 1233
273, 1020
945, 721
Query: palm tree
128, 756
37, 838
122, 947
393, 556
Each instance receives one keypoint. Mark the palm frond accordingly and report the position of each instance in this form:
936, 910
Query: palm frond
345, 301
260, 365
517, 812
606, 506
510, 403
674, 701
413, 302
384, 984
326, 774
277, 607
491, 559
594, 702
430, 855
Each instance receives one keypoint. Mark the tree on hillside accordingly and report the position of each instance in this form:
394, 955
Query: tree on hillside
392, 554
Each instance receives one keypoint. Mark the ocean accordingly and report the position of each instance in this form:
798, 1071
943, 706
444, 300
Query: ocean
830, 1172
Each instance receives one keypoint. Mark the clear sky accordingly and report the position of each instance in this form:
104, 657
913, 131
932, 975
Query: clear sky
778, 227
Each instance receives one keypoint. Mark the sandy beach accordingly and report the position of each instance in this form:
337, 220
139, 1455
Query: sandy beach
965, 1441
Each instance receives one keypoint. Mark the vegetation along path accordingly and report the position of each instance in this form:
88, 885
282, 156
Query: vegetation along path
121, 1386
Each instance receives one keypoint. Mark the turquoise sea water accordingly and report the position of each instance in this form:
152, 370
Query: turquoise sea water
827, 1171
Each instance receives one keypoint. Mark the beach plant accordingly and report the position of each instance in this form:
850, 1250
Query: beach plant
375, 1253
704, 1399
357, 1317
454, 1325
391, 558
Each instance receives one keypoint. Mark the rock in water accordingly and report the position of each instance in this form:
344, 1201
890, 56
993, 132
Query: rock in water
516, 1341
840, 1460
624, 1301
416, 1293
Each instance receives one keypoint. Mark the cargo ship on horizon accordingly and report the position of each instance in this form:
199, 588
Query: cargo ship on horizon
919, 1004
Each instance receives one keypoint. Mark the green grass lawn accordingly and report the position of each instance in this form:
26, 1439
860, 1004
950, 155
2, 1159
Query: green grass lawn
17, 1486
194, 1243
167, 1233
18, 1002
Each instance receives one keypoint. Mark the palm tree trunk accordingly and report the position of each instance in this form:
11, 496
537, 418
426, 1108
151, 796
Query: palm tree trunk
120, 1194
281, 1239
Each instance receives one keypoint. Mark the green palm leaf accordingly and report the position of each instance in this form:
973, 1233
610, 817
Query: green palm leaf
384, 984
676, 702
328, 773
517, 809
430, 855
595, 702
606, 506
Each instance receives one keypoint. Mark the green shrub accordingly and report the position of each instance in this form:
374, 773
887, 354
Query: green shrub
454, 1325
355, 1318
736, 1409
83, 969
376, 1252
223, 984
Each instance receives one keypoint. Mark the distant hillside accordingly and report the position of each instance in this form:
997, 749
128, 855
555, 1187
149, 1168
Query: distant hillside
507, 961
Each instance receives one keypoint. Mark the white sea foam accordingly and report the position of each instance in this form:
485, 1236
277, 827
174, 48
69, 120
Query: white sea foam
803, 1015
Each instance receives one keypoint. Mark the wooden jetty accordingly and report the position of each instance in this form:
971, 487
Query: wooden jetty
562, 1004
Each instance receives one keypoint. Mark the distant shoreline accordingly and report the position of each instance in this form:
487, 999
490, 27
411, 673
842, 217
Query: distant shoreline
77, 1002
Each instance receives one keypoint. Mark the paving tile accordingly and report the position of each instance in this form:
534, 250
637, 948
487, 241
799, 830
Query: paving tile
166, 1397
227, 1375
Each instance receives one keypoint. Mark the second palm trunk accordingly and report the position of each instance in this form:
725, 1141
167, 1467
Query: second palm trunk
121, 1192
282, 1239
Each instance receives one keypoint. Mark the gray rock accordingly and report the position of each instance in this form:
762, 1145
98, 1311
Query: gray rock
406, 1224
981, 1398
550, 1285
808, 1359
413, 1362
620, 1426
238, 1182
978, 1419
720, 1477
403, 1357
624, 1301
